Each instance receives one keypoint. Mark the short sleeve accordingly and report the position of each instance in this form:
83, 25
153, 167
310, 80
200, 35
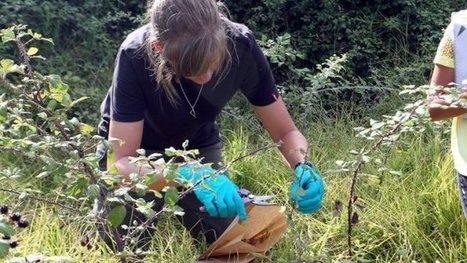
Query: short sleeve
127, 98
445, 53
258, 85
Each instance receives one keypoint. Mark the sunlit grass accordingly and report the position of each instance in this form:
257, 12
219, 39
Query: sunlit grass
412, 217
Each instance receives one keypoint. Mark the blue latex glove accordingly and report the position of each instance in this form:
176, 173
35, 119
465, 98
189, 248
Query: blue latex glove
218, 194
309, 198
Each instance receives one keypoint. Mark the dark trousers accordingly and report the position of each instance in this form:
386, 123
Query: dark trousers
462, 187
200, 224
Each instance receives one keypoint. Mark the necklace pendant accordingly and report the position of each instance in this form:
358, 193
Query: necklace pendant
192, 106
193, 113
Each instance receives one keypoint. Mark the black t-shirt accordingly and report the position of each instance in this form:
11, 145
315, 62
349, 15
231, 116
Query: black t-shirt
135, 95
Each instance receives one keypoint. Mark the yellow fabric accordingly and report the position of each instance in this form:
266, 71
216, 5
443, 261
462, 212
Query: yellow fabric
445, 53
459, 144
451, 51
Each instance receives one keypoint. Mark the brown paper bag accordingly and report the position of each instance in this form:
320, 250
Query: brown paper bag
262, 229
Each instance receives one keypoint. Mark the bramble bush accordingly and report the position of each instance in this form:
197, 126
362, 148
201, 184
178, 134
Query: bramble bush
53, 152
55, 160
86, 35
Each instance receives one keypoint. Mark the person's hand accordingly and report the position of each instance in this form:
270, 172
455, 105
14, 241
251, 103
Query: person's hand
307, 189
218, 193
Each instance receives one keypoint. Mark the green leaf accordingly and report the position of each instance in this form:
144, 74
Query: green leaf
150, 178
403, 252
85, 128
36, 36
8, 34
3, 111
48, 40
32, 51
73, 103
6, 63
23, 196
156, 193
399, 173
42, 115
122, 191
116, 200
171, 174
178, 211
43, 174
134, 177
52, 105
170, 152
147, 211
4, 248
141, 152
5, 228
93, 191
111, 160
117, 215
141, 189
171, 196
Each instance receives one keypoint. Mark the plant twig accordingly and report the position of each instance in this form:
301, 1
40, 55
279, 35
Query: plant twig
42, 200
38, 102
357, 171
24, 55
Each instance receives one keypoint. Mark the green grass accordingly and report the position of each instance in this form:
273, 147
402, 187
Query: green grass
413, 217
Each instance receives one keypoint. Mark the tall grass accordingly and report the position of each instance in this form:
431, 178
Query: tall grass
412, 217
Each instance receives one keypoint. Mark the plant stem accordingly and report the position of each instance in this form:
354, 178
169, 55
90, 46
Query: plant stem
357, 171
42, 200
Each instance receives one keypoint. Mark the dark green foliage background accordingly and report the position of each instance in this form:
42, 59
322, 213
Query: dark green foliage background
376, 34
86, 35
388, 43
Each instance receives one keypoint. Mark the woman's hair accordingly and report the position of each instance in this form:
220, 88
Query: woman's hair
186, 38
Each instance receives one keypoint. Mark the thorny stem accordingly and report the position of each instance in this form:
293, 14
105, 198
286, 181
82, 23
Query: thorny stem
24, 55
36, 99
10, 149
42, 200
357, 171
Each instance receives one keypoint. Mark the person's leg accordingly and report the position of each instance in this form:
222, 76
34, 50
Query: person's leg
462, 186
200, 223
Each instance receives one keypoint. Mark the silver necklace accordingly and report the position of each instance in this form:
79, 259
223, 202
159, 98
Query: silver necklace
192, 106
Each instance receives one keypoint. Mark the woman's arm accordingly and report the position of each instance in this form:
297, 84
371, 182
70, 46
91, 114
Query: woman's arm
277, 121
125, 138
442, 76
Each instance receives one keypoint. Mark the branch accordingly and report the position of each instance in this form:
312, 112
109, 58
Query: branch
9, 149
37, 101
24, 55
42, 200
357, 171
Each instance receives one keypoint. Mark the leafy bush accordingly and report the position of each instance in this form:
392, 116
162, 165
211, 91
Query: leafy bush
86, 35
374, 34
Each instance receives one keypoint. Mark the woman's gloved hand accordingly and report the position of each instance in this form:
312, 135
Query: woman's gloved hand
307, 189
218, 193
